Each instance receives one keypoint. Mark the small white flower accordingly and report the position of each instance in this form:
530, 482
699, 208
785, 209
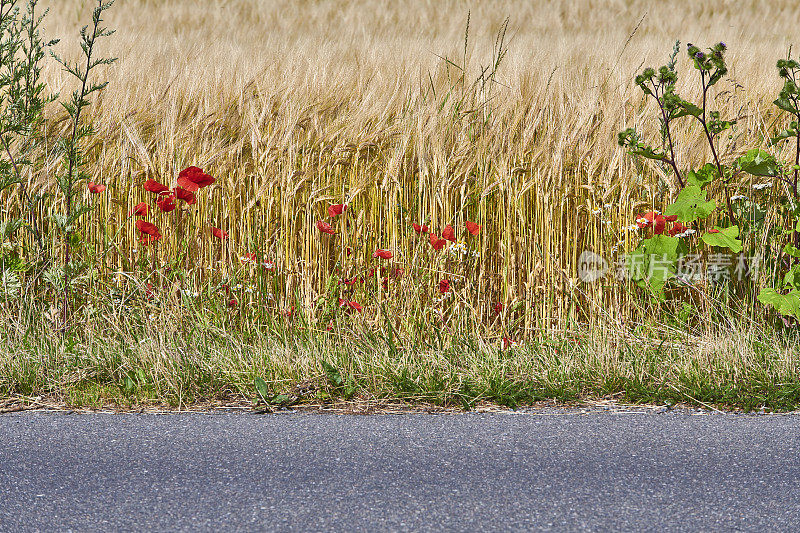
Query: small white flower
761, 186
738, 197
269, 265
632, 227
597, 212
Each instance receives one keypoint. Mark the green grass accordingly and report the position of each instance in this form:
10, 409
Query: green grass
137, 366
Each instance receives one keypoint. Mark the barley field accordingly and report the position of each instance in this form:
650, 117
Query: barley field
295, 105
502, 113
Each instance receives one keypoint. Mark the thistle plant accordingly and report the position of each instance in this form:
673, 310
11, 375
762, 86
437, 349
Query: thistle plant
22, 103
72, 147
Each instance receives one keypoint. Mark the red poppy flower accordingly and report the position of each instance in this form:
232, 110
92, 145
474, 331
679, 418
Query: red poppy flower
338, 209
383, 254
448, 233
473, 227
149, 292
167, 203
713, 230
324, 227
249, 258
671, 218
498, 308
147, 227
676, 229
196, 176
185, 195
289, 313
507, 342
188, 184
444, 286
659, 225
646, 219
436, 242
385, 284
350, 306
346, 281
155, 187
150, 232
219, 234
420, 229
140, 210
232, 302
95, 188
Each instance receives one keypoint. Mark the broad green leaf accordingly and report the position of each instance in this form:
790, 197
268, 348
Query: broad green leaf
691, 204
653, 262
792, 277
786, 105
688, 108
724, 238
785, 304
782, 136
789, 249
702, 176
262, 388
758, 163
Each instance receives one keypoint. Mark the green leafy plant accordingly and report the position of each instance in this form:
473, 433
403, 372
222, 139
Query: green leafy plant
22, 103
695, 208
72, 147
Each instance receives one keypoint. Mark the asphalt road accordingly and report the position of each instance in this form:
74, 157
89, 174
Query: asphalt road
539, 470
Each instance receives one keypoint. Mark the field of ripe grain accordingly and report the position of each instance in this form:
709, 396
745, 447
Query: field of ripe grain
295, 105
493, 123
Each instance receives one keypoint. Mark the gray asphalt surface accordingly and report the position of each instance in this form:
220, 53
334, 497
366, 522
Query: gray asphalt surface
538, 470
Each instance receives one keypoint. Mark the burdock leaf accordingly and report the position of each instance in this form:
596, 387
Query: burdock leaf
702, 176
653, 263
786, 105
758, 163
691, 204
688, 108
724, 238
785, 304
